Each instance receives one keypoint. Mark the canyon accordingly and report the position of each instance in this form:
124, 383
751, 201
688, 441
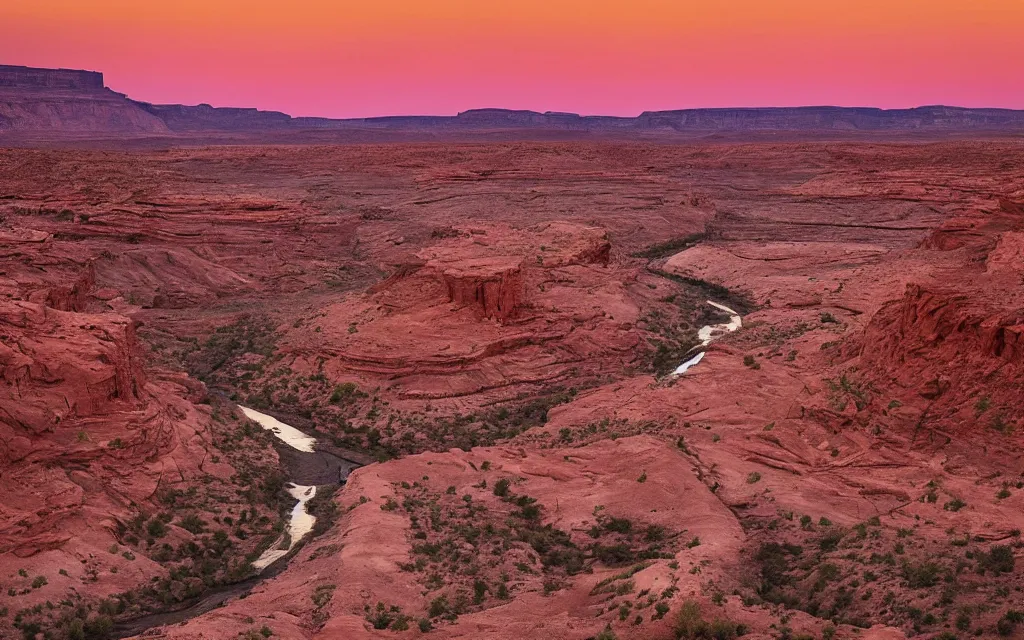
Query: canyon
456, 365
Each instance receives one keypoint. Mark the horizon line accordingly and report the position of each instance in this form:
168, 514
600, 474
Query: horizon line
862, 106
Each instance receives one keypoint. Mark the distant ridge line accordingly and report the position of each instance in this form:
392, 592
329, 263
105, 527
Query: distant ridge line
69, 101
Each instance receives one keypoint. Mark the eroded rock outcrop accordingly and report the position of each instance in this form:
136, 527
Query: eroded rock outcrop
91, 446
60, 366
963, 357
50, 102
491, 286
485, 312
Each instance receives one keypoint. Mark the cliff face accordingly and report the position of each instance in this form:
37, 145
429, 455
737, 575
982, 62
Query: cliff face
962, 358
493, 286
960, 349
824, 118
59, 367
833, 118
203, 117
63, 101
32, 78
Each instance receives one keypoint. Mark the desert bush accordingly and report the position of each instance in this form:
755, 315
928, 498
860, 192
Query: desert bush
618, 525
921, 576
999, 559
501, 487
691, 625
192, 523
955, 504
669, 247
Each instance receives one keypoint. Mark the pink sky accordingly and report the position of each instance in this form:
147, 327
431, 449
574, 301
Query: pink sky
346, 59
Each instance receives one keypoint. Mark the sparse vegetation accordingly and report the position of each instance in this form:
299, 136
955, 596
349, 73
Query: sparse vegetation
691, 625
669, 247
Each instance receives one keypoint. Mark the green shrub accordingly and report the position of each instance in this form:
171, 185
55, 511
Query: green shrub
618, 525
669, 247
1008, 623
691, 625
193, 524
343, 392
955, 504
921, 576
501, 487
438, 606
999, 559
99, 627
606, 634
831, 539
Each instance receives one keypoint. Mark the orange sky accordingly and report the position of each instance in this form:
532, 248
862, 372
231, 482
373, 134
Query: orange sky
379, 57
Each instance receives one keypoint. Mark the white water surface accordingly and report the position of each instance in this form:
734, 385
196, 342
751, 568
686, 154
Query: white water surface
708, 333
301, 521
681, 369
284, 432
300, 524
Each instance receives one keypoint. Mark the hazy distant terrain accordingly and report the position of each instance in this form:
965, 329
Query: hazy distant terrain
50, 103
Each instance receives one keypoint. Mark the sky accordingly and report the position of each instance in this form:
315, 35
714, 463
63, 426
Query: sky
345, 58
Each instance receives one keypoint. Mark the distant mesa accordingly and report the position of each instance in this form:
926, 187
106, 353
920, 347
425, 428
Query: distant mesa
27, 77
61, 102
66, 102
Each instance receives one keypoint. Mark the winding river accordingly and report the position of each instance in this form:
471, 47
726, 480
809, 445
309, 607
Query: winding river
284, 432
301, 521
303, 462
708, 333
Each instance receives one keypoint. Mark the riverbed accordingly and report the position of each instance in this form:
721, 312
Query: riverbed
709, 333
314, 466
302, 461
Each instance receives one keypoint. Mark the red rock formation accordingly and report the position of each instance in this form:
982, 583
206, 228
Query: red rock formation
59, 367
74, 297
492, 286
87, 442
952, 350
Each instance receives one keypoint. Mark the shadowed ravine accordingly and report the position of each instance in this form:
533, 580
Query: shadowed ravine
306, 468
